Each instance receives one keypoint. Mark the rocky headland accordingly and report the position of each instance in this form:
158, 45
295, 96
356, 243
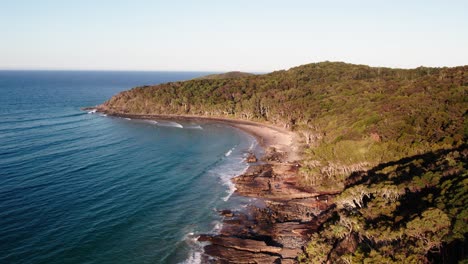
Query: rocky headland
392, 142
279, 224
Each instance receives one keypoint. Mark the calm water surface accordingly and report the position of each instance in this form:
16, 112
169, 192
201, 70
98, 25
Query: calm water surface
85, 188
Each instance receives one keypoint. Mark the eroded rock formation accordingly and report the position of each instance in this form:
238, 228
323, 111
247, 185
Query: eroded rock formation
276, 231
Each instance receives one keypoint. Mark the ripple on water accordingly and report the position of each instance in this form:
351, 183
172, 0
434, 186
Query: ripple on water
82, 188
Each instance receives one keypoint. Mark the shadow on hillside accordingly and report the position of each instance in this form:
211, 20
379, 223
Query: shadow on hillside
406, 168
433, 179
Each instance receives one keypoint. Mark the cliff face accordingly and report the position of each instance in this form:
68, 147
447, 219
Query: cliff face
382, 138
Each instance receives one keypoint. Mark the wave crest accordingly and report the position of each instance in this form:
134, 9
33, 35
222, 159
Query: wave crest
170, 124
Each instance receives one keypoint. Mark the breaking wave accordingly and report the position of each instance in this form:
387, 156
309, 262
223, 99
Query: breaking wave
169, 124
194, 127
229, 152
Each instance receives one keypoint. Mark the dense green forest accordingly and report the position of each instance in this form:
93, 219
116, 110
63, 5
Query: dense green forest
408, 211
354, 119
227, 75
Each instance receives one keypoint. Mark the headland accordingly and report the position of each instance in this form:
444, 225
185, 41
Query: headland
279, 224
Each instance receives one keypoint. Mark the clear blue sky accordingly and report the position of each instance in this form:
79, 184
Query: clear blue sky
222, 35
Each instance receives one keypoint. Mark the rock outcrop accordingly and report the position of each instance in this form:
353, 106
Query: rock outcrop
251, 158
276, 231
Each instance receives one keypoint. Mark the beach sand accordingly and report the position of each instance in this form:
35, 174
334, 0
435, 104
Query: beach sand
283, 140
287, 214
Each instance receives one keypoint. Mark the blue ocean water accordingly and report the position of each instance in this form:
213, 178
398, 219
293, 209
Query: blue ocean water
85, 188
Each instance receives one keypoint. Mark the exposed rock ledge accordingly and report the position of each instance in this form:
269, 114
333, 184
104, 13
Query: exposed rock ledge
276, 231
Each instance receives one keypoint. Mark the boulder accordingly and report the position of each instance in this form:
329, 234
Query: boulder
251, 158
231, 255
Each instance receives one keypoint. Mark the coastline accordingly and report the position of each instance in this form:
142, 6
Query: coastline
283, 140
276, 228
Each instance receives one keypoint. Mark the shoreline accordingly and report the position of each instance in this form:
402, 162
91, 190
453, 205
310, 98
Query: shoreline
276, 231
267, 135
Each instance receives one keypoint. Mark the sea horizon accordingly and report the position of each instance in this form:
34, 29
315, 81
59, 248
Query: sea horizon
80, 187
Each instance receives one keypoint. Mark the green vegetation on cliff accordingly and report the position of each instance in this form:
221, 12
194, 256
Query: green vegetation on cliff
353, 118
227, 75
408, 211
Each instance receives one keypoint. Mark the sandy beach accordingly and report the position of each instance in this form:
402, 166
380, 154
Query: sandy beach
283, 140
277, 230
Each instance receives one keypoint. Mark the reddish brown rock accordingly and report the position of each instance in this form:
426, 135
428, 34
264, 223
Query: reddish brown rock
375, 137
292, 234
271, 154
288, 261
231, 255
250, 245
251, 158
275, 230
277, 181
226, 213
289, 254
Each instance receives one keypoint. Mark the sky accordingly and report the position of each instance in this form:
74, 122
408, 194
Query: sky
255, 35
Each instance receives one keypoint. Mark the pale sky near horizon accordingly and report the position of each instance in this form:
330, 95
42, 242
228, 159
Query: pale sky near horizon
256, 36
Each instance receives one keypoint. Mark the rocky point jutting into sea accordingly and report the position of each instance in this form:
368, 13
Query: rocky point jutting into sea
358, 160
276, 231
277, 226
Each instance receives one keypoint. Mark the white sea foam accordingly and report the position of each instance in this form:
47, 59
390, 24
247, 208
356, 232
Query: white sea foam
195, 255
233, 167
197, 247
229, 152
226, 177
231, 186
232, 189
170, 124
92, 111
230, 167
177, 125
252, 146
217, 227
128, 118
194, 127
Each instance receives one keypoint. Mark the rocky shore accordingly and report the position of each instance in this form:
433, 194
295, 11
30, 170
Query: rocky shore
275, 229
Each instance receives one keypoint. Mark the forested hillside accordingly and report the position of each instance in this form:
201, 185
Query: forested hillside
227, 75
354, 119
411, 210
351, 116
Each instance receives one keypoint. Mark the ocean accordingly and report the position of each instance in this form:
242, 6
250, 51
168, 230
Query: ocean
77, 187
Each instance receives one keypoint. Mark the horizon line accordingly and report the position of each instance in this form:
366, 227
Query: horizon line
215, 71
